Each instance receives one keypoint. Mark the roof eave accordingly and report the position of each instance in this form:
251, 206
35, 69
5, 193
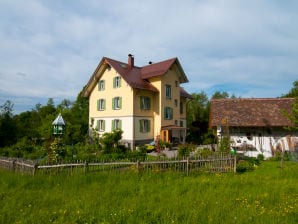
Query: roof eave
94, 78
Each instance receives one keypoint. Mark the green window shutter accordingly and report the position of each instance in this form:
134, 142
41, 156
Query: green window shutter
119, 81
141, 125
103, 84
113, 103
114, 82
113, 125
149, 103
104, 104
98, 85
120, 102
97, 105
171, 113
104, 125
97, 125
141, 103
149, 126
165, 112
120, 124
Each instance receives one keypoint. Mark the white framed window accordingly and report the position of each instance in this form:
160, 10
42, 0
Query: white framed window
144, 125
145, 103
168, 113
101, 104
116, 124
100, 126
117, 103
168, 92
117, 82
101, 85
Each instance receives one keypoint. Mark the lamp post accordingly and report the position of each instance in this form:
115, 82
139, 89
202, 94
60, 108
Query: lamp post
56, 150
58, 126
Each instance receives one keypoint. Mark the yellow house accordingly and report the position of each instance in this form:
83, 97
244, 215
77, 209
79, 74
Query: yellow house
144, 102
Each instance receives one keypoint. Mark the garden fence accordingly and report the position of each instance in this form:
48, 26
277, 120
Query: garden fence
215, 163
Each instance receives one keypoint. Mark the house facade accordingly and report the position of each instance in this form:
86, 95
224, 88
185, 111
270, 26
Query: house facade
255, 125
144, 102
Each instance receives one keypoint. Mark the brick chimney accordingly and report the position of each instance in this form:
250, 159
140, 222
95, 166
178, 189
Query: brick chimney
130, 61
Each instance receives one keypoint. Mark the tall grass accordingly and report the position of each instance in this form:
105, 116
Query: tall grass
266, 195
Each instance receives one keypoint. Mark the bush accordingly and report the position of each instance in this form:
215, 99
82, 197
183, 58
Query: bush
205, 152
279, 155
185, 149
243, 166
260, 157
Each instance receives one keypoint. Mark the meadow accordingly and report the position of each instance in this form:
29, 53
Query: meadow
268, 194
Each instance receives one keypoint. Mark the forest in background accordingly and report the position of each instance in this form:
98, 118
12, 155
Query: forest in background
31, 132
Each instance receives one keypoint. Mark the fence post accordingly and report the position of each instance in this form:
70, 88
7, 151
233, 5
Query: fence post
138, 165
235, 164
187, 166
14, 165
85, 167
35, 168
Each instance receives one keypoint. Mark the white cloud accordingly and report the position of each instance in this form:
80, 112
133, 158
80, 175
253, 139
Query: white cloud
49, 46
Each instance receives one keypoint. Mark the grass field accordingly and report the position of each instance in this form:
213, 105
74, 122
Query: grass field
265, 195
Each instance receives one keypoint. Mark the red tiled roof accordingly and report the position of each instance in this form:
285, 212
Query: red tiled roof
131, 76
156, 69
185, 94
137, 77
160, 68
251, 112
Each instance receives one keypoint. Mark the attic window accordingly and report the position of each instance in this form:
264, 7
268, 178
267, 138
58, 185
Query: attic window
123, 65
168, 92
117, 82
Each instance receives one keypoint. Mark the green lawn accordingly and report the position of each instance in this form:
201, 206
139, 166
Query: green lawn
266, 195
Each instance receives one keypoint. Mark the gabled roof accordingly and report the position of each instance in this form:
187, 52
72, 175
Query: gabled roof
251, 112
136, 77
160, 68
185, 94
59, 120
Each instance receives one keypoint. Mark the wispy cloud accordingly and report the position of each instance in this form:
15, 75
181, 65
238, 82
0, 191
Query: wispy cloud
50, 48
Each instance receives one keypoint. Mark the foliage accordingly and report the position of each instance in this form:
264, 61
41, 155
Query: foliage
220, 95
278, 156
209, 137
224, 144
266, 195
37, 123
243, 166
293, 116
110, 140
245, 163
205, 152
293, 91
197, 117
184, 150
8, 132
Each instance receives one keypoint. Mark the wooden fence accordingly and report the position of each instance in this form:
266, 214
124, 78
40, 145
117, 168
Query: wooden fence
217, 163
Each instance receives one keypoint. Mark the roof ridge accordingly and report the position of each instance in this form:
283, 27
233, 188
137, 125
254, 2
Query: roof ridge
259, 99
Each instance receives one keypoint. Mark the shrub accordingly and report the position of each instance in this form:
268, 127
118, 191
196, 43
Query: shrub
243, 166
185, 149
260, 157
205, 152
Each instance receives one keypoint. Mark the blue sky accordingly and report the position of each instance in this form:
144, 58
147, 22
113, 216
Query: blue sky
49, 49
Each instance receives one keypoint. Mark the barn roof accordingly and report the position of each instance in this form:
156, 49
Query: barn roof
251, 112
